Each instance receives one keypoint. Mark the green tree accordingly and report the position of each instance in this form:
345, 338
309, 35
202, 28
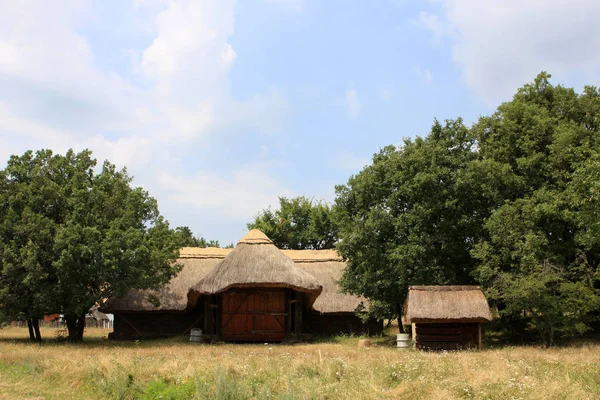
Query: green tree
23, 280
410, 218
185, 238
73, 236
299, 223
541, 251
513, 202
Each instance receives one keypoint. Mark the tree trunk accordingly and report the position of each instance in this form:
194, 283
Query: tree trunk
399, 312
36, 329
75, 327
400, 326
81, 328
30, 327
70, 321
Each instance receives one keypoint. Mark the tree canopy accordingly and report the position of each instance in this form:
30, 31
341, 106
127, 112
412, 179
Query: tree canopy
185, 238
72, 235
407, 218
299, 223
540, 254
511, 203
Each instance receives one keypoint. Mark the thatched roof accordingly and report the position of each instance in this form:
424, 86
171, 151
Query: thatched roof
296, 255
326, 266
313, 256
328, 273
256, 262
446, 303
203, 252
172, 296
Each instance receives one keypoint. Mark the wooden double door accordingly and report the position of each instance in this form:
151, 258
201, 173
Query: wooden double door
253, 315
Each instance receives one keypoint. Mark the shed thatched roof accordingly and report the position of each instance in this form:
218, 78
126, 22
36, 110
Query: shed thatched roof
326, 266
255, 261
446, 303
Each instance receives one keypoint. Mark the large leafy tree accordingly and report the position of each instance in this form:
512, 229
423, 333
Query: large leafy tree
24, 237
299, 223
540, 256
513, 202
410, 218
72, 235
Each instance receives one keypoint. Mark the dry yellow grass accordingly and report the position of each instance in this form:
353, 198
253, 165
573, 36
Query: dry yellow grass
334, 370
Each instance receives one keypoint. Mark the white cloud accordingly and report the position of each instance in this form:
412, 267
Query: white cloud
53, 94
352, 104
47, 69
11, 123
188, 63
248, 190
503, 44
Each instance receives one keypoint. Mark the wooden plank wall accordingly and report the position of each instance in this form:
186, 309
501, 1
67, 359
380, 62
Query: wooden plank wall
446, 336
155, 325
301, 324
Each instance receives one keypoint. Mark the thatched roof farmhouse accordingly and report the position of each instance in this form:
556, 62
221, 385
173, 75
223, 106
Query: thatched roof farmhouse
252, 292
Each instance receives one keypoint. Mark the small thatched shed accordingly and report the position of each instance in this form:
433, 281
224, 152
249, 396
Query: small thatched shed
446, 317
252, 292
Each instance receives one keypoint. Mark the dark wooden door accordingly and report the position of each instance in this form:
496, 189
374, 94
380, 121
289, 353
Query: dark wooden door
253, 315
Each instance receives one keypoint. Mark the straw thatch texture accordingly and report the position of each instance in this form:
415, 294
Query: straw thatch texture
328, 273
171, 297
203, 252
307, 256
446, 303
256, 262
255, 236
296, 255
326, 266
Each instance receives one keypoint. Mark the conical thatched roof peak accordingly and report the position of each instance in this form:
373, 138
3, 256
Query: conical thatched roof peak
255, 236
256, 262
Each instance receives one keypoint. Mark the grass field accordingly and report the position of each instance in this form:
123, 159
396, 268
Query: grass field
338, 369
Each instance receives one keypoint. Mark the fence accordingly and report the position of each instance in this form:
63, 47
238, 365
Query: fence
58, 323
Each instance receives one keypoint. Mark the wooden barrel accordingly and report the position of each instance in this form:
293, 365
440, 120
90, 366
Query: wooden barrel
196, 335
403, 340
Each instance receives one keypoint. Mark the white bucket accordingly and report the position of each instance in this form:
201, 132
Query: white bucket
196, 335
403, 340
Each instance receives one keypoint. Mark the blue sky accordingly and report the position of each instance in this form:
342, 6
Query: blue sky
219, 107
